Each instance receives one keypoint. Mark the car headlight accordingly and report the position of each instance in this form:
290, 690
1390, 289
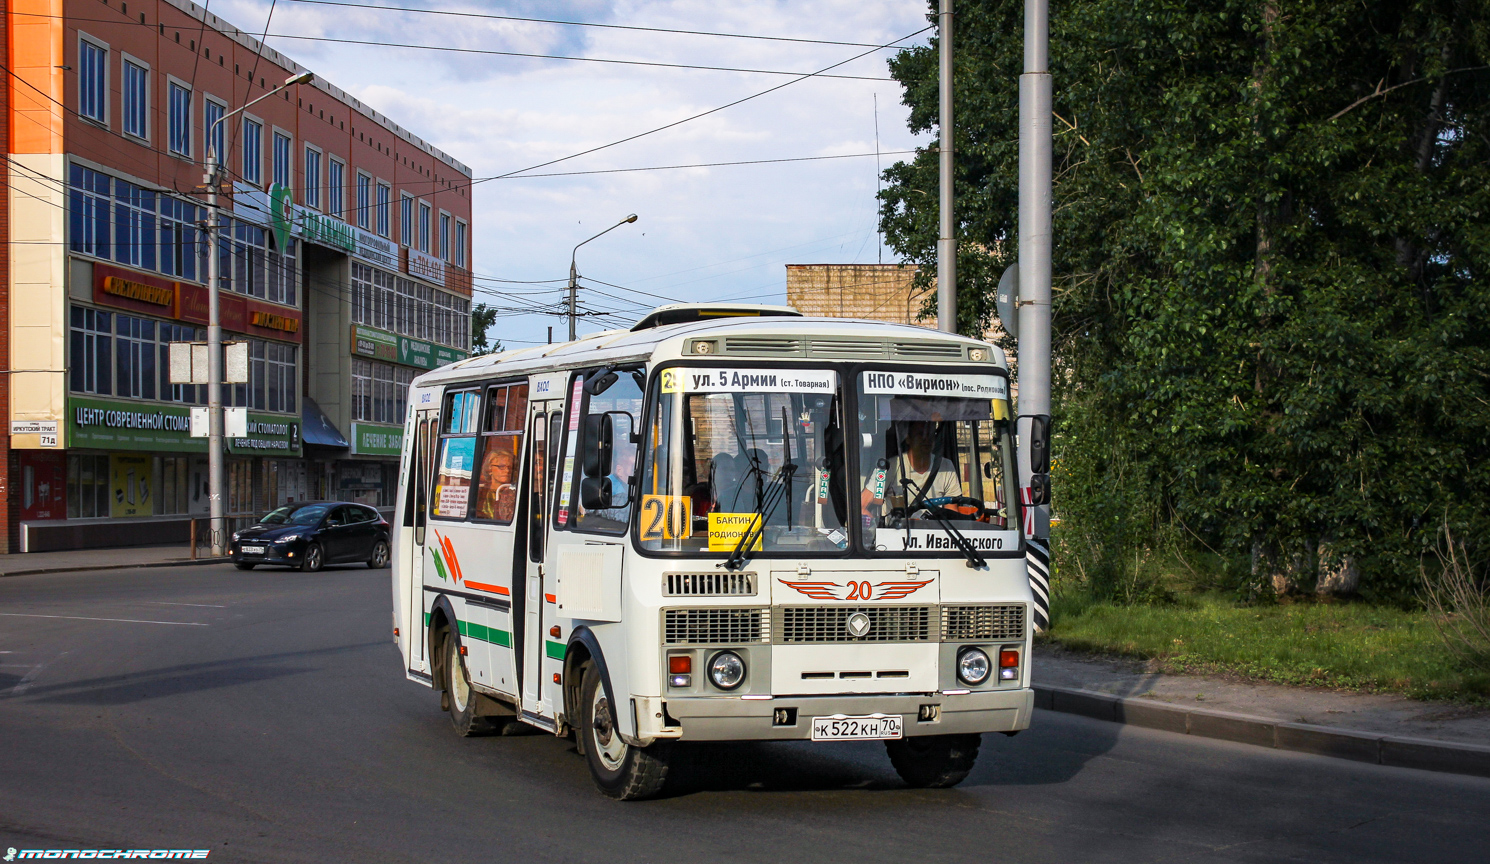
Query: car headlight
236, 535
726, 670
973, 666
288, 538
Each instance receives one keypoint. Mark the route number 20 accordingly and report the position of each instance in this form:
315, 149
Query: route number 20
666, 517
859, 591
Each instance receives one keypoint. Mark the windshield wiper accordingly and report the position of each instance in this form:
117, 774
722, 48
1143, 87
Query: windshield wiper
964, 545
763, 511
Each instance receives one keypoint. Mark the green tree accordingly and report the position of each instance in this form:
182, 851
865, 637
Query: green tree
1272, 229
483, 317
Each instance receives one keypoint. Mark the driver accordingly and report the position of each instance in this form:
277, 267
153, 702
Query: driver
918, 461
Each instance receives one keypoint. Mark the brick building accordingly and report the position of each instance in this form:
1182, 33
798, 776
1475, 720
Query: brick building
879, 292
344, 256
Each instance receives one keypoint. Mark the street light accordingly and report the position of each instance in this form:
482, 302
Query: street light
214, 323
574, 276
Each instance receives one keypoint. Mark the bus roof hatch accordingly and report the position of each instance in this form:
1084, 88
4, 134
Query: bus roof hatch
680, 313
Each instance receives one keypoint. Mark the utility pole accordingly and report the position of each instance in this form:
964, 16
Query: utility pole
214, 325
1035, 105
574, 274
946, 244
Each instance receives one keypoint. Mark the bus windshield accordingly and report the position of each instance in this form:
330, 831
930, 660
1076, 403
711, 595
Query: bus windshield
934, 458
730, 448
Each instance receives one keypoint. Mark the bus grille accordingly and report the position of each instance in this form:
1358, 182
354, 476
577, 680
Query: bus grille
926, 350
982, 622
798, 624
715, 626
709, 584
765, 346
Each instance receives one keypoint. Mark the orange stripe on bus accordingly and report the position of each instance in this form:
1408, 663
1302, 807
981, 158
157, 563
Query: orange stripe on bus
482, 586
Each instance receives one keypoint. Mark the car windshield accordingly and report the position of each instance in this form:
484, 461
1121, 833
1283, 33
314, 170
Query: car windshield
934, 458
728, 446
308, 515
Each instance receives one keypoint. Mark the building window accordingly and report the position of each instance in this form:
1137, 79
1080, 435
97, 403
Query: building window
406, 220
364, 199
251, 264
93, 81
423, 227
424, 318
253, 151
134, 225
271, 378
385, 194
283, 160
214, 136
403, 379
90, 200
178, 238
460, 243
312, 178
87, 486
91, 338
134, 358
407, 306
444, 236
179, 108
135, 96
173, 484
336, 191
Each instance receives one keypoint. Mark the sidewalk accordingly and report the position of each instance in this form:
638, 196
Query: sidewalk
98, 559
1367, 726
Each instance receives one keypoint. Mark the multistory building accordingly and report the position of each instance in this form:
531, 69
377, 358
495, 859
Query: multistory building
344, 258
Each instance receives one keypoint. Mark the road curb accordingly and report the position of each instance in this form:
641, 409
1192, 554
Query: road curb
86, 567
1424, 753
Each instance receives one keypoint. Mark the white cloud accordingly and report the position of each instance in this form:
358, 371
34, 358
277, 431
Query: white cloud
703, 233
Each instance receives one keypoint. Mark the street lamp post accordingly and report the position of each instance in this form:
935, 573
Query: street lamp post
574, 274
946, 243
214, 324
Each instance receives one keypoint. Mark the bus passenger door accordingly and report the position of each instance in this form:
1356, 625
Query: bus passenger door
425, 427
538, 611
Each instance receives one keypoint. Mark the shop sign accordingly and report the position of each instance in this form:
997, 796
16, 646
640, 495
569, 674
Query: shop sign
251, 203
115, 425
129, 485
274, 321
138, 292
426, 266
376, 439
240, 314
281, 214
377, 250
380, 345
324, 230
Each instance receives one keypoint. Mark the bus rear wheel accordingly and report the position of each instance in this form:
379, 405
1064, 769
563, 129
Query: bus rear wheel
934, 761
619, 770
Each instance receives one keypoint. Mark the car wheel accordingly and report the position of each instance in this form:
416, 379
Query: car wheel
244, 565
314, 558
619, 770
934, 761
379, 558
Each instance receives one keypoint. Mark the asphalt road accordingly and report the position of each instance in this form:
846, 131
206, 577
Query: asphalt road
262, 715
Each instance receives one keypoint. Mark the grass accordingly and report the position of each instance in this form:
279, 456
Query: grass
1350, 646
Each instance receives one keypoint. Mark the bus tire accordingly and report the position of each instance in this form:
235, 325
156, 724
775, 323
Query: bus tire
619, 770
461, 697
934, 761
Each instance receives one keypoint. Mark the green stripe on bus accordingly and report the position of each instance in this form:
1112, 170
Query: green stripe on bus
554, 649
482, 633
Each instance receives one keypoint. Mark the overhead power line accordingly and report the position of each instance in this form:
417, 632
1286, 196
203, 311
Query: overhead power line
705, 165
585, 23
456, 50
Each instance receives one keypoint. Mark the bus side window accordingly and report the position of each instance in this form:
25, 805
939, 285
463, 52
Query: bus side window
621, 402
538, 486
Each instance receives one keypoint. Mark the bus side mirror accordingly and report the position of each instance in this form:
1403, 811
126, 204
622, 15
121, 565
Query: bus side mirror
1040, 444
594, 493
599, 443
1039, 489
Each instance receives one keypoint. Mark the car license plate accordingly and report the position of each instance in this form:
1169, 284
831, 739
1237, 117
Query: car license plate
252, 550
870, 727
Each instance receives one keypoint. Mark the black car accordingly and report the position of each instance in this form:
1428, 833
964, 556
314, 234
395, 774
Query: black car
312, 534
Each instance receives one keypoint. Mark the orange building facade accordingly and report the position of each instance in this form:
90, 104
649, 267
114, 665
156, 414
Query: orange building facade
345, 257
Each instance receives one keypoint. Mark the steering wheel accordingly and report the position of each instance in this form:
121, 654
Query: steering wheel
957, 507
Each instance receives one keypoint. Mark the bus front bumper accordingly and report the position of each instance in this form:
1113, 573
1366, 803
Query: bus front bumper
735, 719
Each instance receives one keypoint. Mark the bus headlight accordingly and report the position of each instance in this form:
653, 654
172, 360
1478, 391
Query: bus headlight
973, 666
726, 670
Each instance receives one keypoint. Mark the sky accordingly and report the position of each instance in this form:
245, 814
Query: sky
702, 234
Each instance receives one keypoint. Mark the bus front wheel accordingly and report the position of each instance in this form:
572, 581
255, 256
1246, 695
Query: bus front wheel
461, 698
934, 761
620, 770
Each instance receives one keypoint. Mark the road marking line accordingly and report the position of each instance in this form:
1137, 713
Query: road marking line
30, 677
119, 620
203, 605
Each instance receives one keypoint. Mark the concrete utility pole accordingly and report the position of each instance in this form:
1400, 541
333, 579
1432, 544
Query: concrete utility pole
574, 274
946, 244
1035, 107
214, 325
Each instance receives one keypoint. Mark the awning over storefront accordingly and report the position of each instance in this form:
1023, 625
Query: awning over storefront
318, 429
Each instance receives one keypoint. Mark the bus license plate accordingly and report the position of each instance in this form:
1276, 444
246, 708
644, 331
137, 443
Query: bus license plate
252, 550
841, 727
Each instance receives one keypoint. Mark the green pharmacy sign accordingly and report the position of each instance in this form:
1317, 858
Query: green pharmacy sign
381, 345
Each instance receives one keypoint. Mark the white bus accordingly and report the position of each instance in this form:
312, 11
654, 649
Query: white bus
729, 523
